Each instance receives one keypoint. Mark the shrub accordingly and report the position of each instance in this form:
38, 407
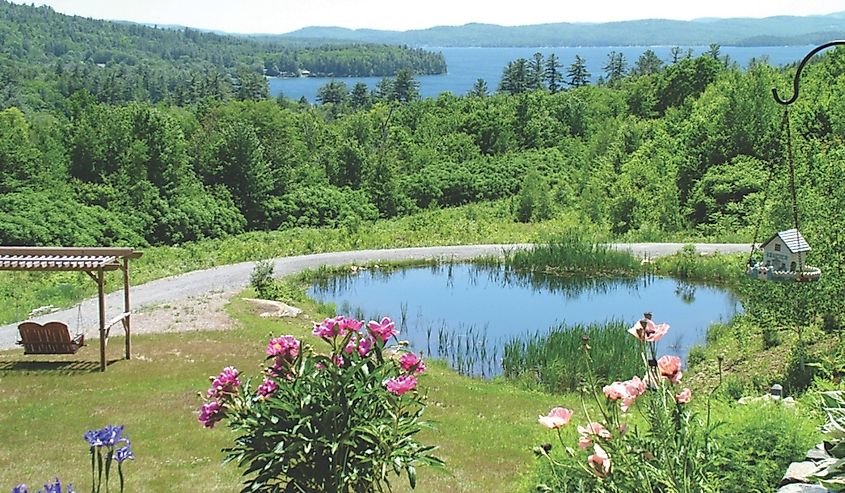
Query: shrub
339, 421
757, 442
696, 355
261, 279
771, 337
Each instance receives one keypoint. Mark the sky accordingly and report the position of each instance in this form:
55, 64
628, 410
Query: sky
280, 16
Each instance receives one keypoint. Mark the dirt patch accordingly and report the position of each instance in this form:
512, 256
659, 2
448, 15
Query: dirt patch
204, 312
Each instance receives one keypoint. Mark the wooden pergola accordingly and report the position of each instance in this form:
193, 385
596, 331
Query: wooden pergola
93, 261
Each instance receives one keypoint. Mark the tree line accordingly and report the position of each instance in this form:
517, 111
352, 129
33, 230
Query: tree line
45, 57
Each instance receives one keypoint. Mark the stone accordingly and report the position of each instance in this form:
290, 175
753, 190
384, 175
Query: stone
799, 472
818, 453
803, 488
271, 308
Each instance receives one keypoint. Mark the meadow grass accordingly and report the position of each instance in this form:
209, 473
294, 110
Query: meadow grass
485, 429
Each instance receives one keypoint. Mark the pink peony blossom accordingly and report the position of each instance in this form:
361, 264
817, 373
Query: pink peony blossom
401, 384
384, 329
328, 328
670, 367
210, 414
347, 325
267, 387
584, 441
225, 383
365, 345
599, 460
650, 333
284, 346
557, 418
684, 397
338, 360
410, 362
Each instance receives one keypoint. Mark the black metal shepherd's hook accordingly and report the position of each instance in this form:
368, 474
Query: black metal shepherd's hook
800, 68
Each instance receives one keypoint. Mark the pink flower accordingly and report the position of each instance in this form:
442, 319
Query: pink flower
346, 325
401, 384
351, 345
557, 418
599, 461
615, 391
285, 346
384, 329
365, 345
628, 391
594, 428
267, 387
225, 383
670, 367
410, 362
210, 414
650, 333
338, 360
684, 397
328, 328
584, 442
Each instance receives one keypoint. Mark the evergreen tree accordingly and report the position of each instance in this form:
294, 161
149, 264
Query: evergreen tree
405, 86
553, 76
479, 89
360, 96
515, 77
577, 73
332, 92
536, 72
615, 68
649, 63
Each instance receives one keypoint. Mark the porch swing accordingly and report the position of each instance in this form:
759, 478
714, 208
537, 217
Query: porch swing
52, 337
781, 256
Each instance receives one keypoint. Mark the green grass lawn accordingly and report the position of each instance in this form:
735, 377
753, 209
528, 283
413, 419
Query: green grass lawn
485, 429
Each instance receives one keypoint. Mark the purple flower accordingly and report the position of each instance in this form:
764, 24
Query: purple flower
55, 487
224, 384
93, 439
124, 452
21, 488
267, 387
110, 435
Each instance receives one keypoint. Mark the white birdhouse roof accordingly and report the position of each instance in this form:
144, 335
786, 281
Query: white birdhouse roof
793, 240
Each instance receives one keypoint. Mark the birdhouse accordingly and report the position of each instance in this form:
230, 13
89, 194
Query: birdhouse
783, 259
785, 251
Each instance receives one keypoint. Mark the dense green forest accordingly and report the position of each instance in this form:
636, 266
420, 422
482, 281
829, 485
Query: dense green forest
685, 148
46, 57
770, 31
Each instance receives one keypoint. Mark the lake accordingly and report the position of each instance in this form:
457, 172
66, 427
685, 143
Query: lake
466, 65
494, 305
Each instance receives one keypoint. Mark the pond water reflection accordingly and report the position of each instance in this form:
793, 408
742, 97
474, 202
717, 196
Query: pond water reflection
455, 310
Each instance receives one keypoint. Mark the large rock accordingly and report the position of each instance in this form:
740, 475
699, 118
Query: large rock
799, 472
271, 308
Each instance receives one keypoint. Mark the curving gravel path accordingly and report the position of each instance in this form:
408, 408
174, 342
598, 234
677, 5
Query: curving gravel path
235, 277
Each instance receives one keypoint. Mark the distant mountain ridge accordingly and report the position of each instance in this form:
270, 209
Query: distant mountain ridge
769, 31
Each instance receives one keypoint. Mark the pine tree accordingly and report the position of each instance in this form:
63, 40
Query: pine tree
553, 76
577, 74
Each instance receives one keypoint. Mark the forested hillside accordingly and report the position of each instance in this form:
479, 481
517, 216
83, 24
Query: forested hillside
769, 31
681, 148
46, 57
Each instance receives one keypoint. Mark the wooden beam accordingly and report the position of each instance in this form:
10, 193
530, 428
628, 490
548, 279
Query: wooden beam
65, 251
126, 310
101, 295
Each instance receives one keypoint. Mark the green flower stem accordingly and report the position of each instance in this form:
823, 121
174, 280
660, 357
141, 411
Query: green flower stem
93, 462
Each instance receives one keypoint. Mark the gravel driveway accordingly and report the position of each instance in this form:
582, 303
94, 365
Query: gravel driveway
235, 277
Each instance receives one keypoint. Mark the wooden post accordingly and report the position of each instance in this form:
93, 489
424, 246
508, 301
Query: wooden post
102, 299
126, 327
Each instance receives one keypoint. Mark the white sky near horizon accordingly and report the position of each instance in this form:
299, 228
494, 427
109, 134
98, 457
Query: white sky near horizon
280, 16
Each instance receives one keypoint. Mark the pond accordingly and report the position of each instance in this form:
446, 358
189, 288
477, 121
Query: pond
489, 305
